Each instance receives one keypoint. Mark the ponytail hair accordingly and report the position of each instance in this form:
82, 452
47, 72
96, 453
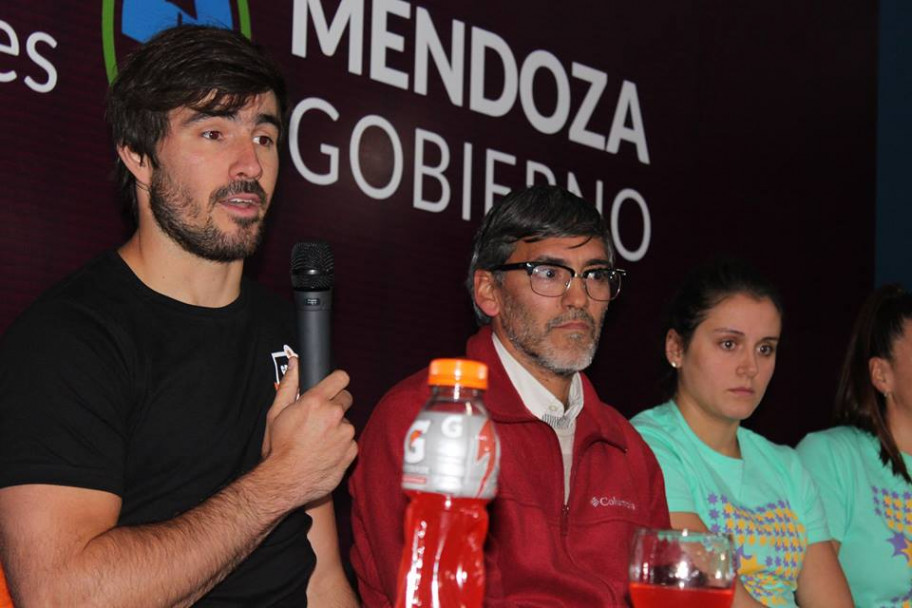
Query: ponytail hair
858, 403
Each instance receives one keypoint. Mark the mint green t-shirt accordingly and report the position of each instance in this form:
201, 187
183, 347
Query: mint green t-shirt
765, 499
869, 511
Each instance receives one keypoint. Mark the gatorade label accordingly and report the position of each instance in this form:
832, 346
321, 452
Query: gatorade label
451, 454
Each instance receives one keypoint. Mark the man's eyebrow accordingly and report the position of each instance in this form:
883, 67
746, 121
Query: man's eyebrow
267, 118
597, 262
201, 115
547, 259
261, 119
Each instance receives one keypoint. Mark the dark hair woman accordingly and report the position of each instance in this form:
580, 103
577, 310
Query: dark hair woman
721, 342
862, 467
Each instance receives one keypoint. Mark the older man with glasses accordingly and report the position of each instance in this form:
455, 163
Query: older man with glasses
575, 478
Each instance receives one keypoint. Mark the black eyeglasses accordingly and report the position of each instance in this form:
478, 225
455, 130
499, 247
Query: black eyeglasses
553, 280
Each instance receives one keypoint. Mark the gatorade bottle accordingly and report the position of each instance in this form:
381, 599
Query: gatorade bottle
449, 472
5, 600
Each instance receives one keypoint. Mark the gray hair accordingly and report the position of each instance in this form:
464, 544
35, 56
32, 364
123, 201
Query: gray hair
533, 214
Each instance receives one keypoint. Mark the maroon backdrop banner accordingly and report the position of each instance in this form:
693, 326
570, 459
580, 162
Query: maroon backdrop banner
697, 128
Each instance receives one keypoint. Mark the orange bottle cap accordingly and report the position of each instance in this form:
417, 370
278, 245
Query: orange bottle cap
463, 372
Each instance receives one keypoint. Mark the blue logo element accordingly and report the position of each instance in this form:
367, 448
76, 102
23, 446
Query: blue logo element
142, 19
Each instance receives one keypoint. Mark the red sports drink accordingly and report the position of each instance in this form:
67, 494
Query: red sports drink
449, 472
660, 596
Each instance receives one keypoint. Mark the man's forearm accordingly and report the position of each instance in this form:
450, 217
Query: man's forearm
337, 594
171, 563
328, 586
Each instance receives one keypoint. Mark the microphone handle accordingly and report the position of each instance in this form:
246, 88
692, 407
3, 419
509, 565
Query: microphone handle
313, 312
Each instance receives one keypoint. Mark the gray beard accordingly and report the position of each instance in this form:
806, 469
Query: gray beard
543, 354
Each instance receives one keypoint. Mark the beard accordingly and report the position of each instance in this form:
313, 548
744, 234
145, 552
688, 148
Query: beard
174, 210
520, 328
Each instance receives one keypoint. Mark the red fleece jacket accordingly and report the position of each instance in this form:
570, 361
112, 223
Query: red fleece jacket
539, 551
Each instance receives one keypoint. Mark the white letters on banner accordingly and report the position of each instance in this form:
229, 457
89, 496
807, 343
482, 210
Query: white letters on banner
628, 105
10, 46
466, 181
639, 252
491, 188
533, 168
349, 13
483, 41
382, 40
438, 173
355, 157
555, 122
332, 152
494, 99
451, 71
484, 46
597, 81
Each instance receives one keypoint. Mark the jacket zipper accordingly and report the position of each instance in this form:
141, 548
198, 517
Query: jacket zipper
576, 458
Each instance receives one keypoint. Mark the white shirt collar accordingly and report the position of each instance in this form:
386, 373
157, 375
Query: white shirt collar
538, 399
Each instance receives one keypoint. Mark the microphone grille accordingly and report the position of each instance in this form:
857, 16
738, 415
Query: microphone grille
312, 266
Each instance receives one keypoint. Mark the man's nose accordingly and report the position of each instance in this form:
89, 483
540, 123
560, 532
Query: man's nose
246, 162
576, 295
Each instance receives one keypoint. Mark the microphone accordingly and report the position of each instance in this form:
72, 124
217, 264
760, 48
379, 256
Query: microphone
312, 280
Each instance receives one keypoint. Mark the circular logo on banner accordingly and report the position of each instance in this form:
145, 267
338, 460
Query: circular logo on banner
128, 22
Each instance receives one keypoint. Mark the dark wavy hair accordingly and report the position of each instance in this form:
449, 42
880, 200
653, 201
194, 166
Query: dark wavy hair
704, 287
206, 68
858, 403
531, 215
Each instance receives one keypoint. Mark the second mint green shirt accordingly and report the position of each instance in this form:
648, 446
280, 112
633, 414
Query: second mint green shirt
869, 511
765, 499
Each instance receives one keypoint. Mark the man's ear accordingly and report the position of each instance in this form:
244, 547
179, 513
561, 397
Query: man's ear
881, 374
137, 164
486, 295
674, 348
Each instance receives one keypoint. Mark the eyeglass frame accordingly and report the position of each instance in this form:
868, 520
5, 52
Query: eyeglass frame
530, 267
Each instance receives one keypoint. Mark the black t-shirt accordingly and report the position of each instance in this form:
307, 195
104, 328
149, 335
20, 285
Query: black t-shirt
106, 384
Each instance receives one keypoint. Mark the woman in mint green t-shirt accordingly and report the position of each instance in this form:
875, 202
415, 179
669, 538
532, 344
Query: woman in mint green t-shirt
862, 467
721, 341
